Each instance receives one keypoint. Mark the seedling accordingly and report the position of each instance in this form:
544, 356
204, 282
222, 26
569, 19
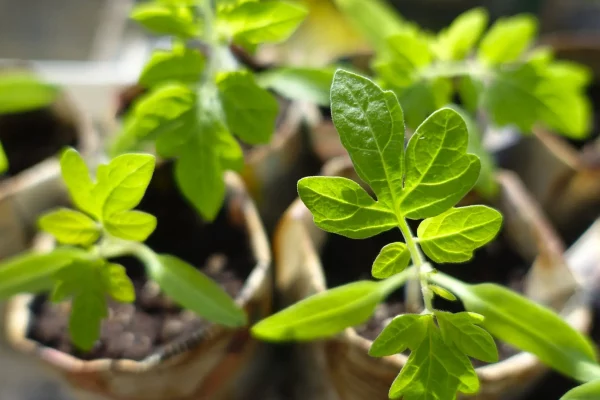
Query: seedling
423, 181
200, 99
103, 227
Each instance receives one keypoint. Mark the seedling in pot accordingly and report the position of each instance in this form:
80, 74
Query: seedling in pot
199, 99
105, 226
423, 181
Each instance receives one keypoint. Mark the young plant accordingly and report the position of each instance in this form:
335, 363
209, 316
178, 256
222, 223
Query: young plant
103, 227
422, 181
20, 92
200, 100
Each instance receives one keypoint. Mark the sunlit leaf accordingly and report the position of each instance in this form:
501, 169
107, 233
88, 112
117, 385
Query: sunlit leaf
392, 259
131, 225
70, 226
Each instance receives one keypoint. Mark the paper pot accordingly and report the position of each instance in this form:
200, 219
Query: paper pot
35, 189
341, 366
211, 363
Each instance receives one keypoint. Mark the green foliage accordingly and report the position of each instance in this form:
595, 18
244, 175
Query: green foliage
423, 181
3, 160
106, 227
307, 84
587, 391
201, 101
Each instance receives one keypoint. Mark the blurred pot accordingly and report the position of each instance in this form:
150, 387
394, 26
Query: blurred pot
212, 363
342, 366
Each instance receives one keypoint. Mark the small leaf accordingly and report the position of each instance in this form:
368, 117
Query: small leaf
409, 52
179, 65
32, 272
23, 91
403, 332
117, 283
322, 315
77, 178
455, 234
371, 127
3, 160
439, 171
87, 311
587, 391
250, 110
70, 227
166, 20
125, 183
435, 370
457, 41
440, 291
261, 22
469, 90
131, 225
507, 39
341, 206
297, 83
392, 259
460, 329
195, 291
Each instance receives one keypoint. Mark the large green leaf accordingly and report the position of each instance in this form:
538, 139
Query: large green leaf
371, 127
403, 332
341, 206
70, 227
462, 330
457, 41
23, 91
181, 65
77, 178
131, 225
261, 22
455, 234
392, 259
435, 370
507, 39
250, 110
322, 315
587, 391
195, 291
439, 172
298, 83
526, 325
166, 20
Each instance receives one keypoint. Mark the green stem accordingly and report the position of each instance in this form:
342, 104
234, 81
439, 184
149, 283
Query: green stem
413, 297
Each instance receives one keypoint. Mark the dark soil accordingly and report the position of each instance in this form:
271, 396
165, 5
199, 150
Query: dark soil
134, 331
30, 137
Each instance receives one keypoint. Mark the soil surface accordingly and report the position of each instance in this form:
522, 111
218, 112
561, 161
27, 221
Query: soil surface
134, 331
30, 137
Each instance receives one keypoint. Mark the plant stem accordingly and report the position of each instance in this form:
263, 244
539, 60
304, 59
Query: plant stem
413, 301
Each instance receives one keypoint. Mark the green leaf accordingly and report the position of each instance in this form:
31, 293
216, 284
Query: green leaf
131, 225
322, 315
457, 41
77, 179
298, 83
587, 391
179, 65
424, 97
124, 184
455, 234
409, 52
371, 127
32, 272
117, 284
250, 110
526, 325
507, 39
3, 160
166, 20
164, 111
392, 259
23, 91
461, 330
70, 227
261, 22
87, 312
469, 90
435, 370
341, 206
439, 172
195, 291
440, 291
403, 332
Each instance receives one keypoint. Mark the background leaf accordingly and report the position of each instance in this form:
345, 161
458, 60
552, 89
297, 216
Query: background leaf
507, 39
297, 83
587, 391
166, 20
117, 284
178, 65
457, 41
70, 227
23, 91
3, 160
87, 311
392, 259
131, 225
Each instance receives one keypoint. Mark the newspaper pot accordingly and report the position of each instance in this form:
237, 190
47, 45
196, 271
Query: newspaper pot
341, 367
210, 361
32, 185
563, 175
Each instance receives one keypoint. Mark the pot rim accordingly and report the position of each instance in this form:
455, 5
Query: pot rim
17, 321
